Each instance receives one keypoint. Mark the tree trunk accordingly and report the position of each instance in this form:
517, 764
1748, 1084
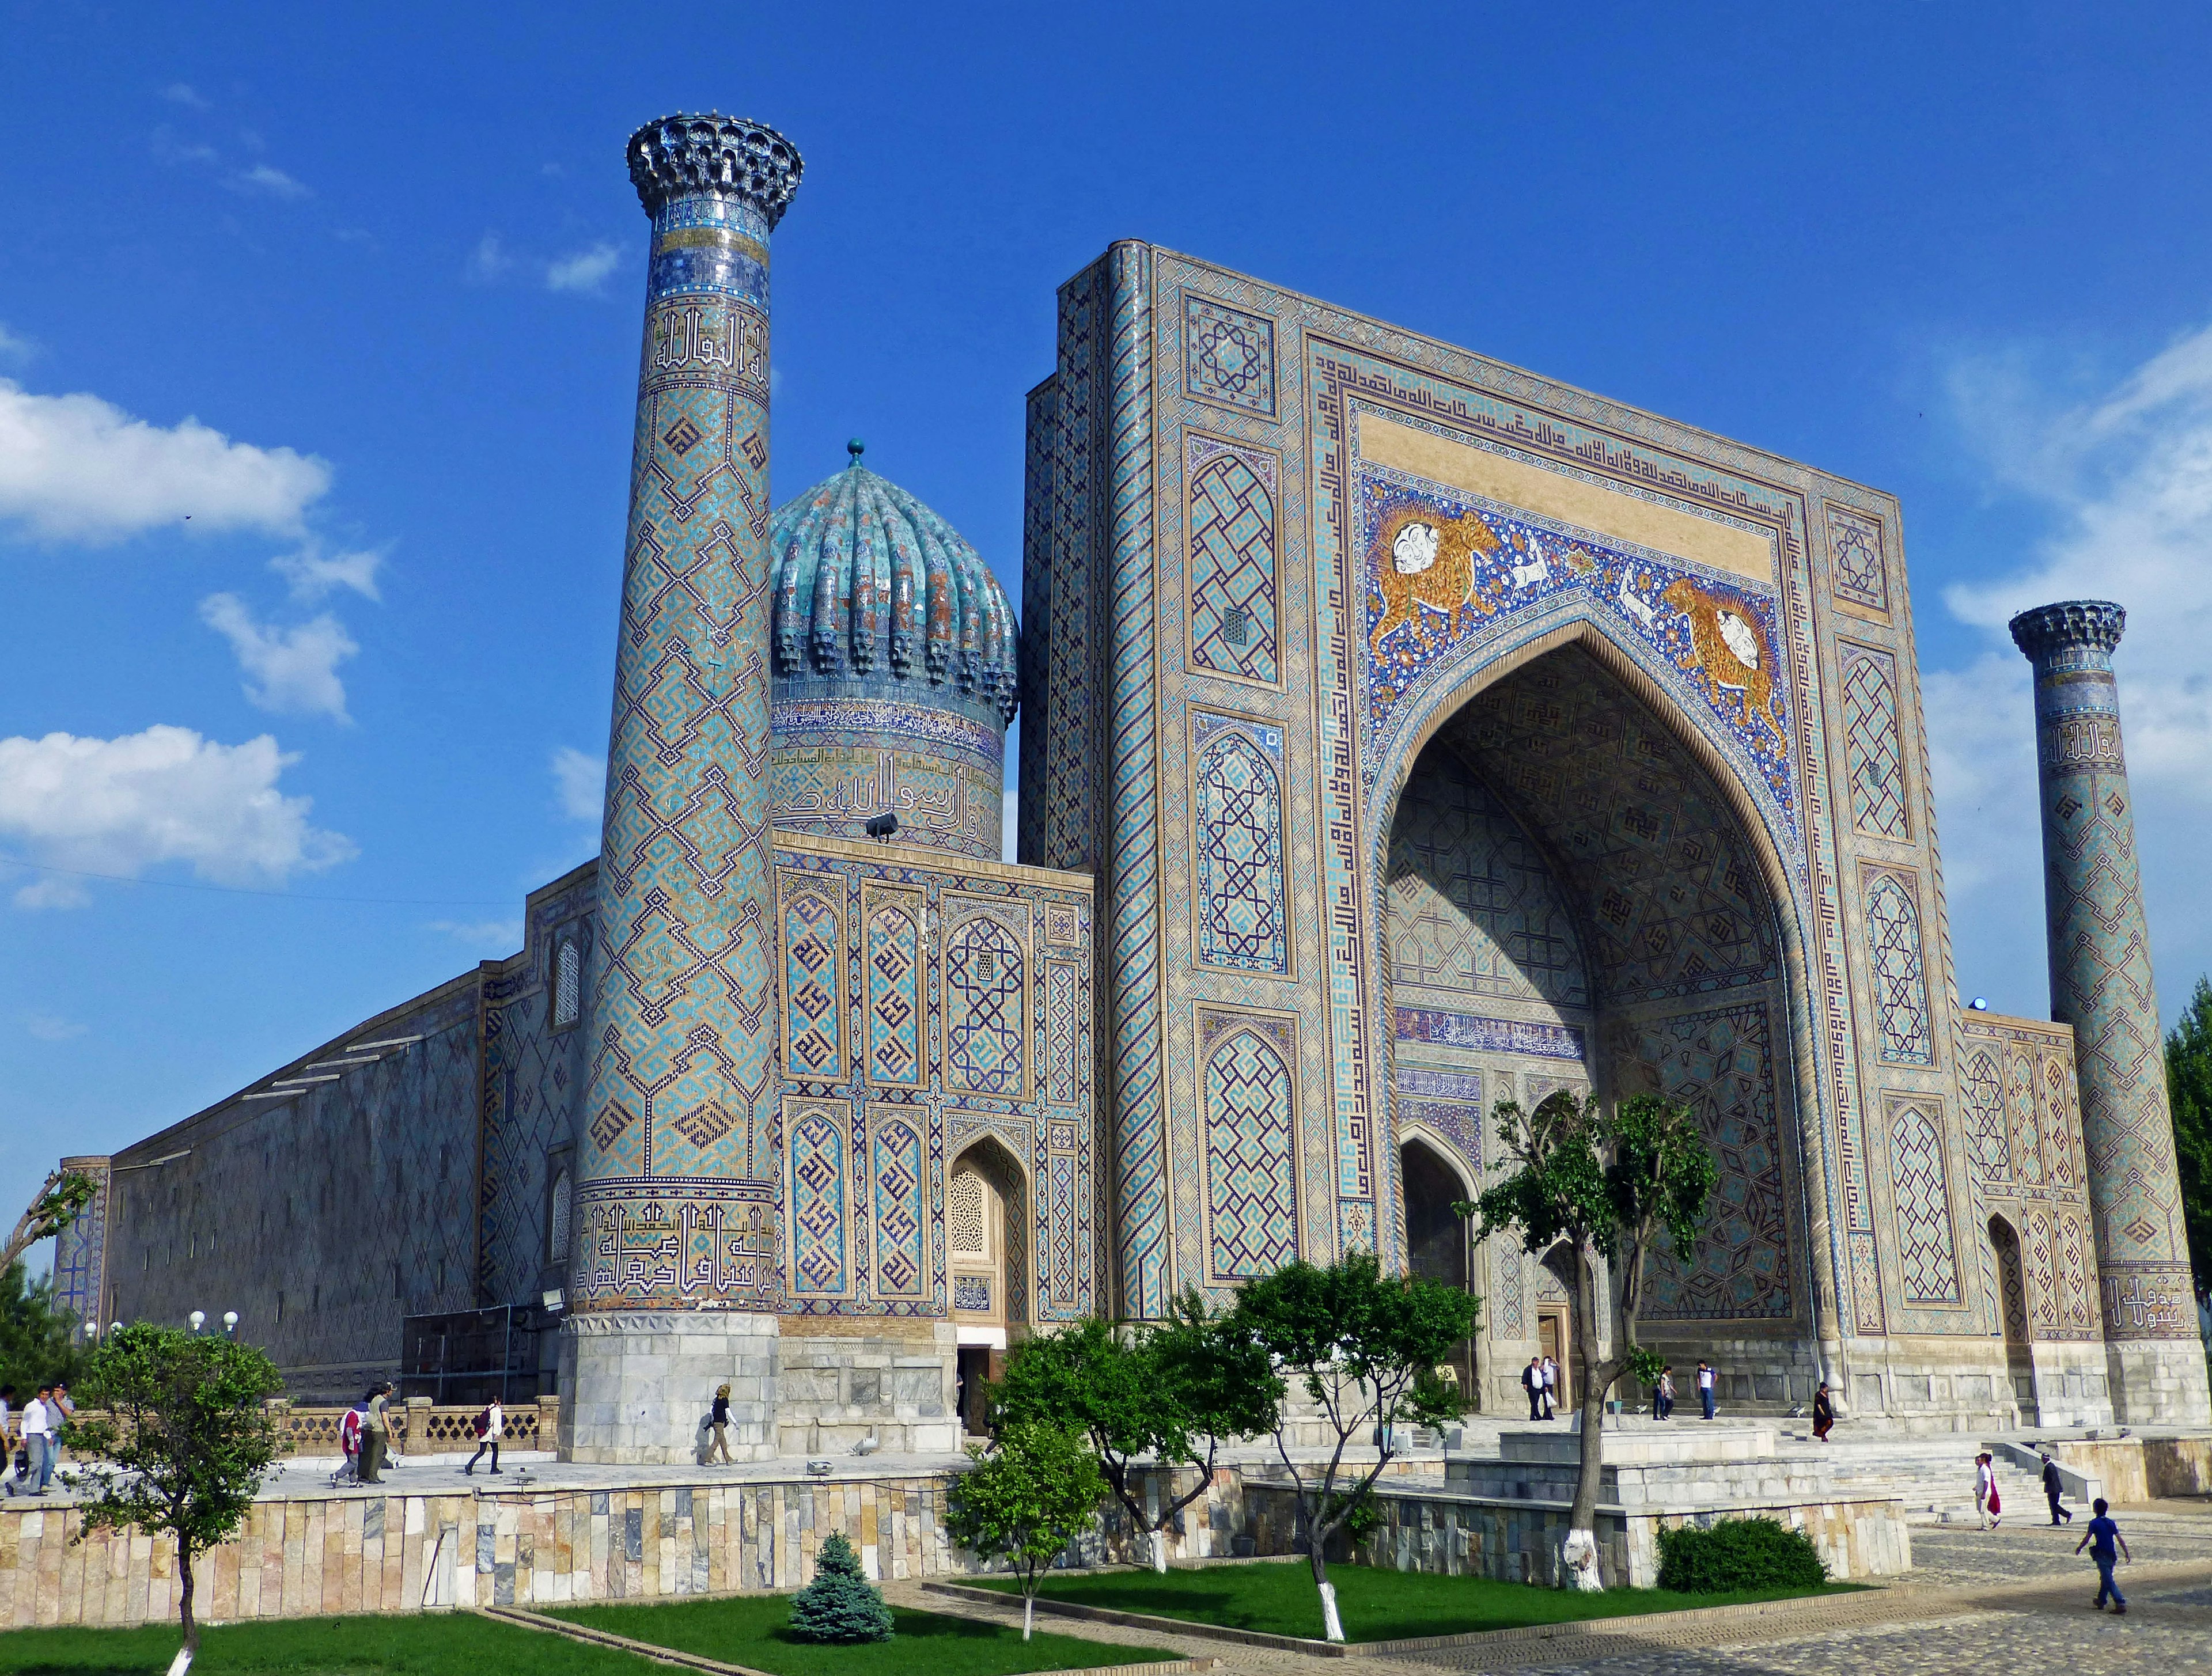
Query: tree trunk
1029, 1609
1332, 1626
1160, 1551
189, 1650
1578, 1567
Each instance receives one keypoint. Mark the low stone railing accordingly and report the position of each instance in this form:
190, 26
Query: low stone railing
422, 1427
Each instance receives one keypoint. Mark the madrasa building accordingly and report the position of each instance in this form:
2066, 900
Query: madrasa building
1402, 732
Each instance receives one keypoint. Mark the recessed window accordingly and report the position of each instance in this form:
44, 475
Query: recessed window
1236, 626
568, 983
557, 1219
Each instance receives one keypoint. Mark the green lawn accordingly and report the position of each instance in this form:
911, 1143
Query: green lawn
1278, 1598
441, 1645
748, 1630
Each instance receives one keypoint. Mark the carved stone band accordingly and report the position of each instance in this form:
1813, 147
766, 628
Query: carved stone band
678, 155
2085, 624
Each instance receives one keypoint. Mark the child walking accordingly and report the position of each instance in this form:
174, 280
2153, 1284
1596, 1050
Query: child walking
2099, 1539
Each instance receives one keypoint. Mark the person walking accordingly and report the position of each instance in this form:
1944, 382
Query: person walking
1824, 1413
9, 1440
2099, 1539
1551, 1389
2052, 1489
1705, 1377
38, 1419
1532, 1381
375, 1435
720, 1418
349, 1444
491, 1425
1662, 1394
1987, 1502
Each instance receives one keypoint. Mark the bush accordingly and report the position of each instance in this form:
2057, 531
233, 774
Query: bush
1738, 1553
841, 1604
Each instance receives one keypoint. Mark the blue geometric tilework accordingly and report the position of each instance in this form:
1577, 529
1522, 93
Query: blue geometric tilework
1232, 557
813, 997
1242, 908
2019, 1110
984, 1009
1250, 1145
1924, 1207
1721, 1063
1855, 570
1982, 1089
1229, 355
972, 1291
1448, 1103
1443, 569
894, 988
1061, 1032
817, 1151
1900, 980
902, 1229
1870, 743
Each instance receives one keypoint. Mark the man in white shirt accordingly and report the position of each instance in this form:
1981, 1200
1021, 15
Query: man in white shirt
39, 1440
1551, 1388
1705, 1386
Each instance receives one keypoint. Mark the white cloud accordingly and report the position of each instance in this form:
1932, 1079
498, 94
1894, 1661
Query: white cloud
288, 670
15, 346
173, 151
579, 784
315, 573
265, 181
497, 935
584, 270
489, 261
77, 468
122, 805
2125, 478
51, 1027
184, 94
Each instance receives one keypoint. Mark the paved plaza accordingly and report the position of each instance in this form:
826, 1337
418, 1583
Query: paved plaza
2014, 1598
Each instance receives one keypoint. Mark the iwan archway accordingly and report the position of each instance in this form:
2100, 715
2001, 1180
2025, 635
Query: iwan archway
1574, 902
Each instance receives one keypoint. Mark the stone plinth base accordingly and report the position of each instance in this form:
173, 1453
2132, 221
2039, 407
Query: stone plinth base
2159, 1381
1627, 1441
640, 1382
840, 1382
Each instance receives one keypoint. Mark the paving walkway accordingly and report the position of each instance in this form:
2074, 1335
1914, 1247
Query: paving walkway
2015, 1598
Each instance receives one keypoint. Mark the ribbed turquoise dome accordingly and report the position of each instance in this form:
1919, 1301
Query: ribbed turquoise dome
868, 581
895, 673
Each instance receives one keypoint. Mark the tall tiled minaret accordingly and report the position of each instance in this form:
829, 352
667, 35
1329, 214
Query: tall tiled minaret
2100, 983
676, 1275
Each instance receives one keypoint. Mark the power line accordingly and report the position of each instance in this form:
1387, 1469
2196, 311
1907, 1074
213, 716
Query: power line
248, 890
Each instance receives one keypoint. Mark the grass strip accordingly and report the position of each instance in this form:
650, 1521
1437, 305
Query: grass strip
432, 1644
1278, 1598
749, 1630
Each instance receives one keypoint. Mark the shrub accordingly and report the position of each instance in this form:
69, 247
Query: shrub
841, 1604
1738, 1553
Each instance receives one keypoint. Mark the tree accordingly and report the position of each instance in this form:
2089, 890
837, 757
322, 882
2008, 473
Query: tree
183, 1444
2189, 1090
840, 1605
1171, 1390
37, 1345
1366, 1345
1609, 1187
59, 1203
1035, 1491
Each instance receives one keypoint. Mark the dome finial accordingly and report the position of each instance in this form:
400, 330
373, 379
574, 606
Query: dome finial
856, 448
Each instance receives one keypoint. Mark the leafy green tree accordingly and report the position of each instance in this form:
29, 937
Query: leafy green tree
1365, 1347
1172, 1391
1035, 1491
1610, 1185
2189, 1090
59, 1201
183, 1443
840, 1605
37, 1343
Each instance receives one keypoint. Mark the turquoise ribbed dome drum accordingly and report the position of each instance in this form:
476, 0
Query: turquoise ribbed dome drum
895, 653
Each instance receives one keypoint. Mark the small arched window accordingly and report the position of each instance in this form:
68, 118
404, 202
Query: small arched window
559, 1213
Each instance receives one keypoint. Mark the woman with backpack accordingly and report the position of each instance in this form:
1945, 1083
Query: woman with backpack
491, 1425
719, 1418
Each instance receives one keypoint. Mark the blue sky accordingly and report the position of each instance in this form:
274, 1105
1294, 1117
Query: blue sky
361, 295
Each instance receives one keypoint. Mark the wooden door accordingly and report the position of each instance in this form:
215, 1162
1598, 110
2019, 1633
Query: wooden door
1552, 1339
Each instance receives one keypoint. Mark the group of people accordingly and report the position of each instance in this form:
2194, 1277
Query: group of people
365, 1435
1662, 1394
1541, 1380
33, 1443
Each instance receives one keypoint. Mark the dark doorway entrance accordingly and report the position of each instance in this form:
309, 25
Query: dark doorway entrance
1435, 1240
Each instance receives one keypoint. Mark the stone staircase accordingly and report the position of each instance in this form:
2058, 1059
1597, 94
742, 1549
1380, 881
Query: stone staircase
1933, 1478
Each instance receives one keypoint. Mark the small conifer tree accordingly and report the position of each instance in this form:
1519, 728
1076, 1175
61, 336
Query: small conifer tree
841, 1604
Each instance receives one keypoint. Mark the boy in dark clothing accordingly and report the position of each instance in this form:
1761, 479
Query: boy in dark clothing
2100, 1538
2050, 1489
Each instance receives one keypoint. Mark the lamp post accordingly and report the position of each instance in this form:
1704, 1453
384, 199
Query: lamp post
198, 1319
230, 1323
